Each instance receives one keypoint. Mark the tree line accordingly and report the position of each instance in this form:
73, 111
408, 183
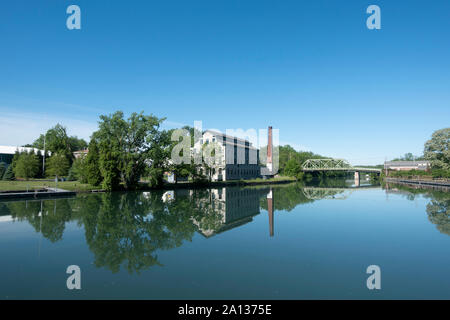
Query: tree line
437, 151
120, 153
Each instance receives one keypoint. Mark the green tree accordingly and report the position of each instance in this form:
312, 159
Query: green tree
127, 147
437, 149
77, 144
15, 159
9, 174
293, 169
27, 165
3, 167
57, 165
78, 171
92, 165
58, 141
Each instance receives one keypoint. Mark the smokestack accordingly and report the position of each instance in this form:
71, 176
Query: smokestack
269, 150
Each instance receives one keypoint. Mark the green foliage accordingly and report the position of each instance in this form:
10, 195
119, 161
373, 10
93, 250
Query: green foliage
409, 173
77, 144
125, 147
435, 173
92, 165
57, 165
438, 211
26, 165
9, 174
437, 149
409, 157
287, 153
293, 169
109, 169
57, 141
3, 167
440, 173
78, 171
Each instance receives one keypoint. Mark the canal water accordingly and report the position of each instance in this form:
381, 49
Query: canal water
281, 242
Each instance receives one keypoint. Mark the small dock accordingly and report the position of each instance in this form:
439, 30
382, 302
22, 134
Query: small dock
35, 194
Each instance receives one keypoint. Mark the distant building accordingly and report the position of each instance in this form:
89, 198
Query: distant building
407, 165
239, 159
80, 153
7, 152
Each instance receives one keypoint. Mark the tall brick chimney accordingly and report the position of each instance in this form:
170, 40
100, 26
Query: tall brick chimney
269, 150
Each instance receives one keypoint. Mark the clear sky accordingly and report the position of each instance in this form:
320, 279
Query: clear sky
312, 69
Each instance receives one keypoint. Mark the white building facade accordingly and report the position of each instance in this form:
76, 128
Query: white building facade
236, 158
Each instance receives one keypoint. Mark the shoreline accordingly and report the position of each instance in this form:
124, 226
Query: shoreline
421, 183
221, 184
44, 192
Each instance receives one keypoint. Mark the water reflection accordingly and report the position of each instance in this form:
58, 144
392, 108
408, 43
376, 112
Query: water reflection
438, 207
127, 230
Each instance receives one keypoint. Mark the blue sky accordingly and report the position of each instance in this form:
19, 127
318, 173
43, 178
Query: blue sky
312, 69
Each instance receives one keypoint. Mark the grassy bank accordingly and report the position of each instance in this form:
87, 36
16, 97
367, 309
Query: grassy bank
39, 184
81, 187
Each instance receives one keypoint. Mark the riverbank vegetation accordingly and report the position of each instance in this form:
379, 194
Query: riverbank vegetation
37, 184
128, 154
437, 151
421, 174
123, 152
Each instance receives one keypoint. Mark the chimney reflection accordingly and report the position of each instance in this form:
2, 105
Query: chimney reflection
270, 211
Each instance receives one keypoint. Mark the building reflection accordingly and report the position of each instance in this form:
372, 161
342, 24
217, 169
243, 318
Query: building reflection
229, 208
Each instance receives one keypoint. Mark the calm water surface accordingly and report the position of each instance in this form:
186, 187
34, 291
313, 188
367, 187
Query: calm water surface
283, 242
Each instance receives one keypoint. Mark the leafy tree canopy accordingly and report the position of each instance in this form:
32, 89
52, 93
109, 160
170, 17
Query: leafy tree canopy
437, 149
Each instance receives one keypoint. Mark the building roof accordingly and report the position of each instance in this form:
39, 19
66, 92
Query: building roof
217, 133
13, 149
81, 151
406, 163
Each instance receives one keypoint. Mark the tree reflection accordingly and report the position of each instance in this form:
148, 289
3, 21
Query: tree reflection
286, 197
439, 213
47, 217
438, 209
128, 230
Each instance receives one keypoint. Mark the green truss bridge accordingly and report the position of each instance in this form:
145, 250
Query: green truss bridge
334, 165
312, 165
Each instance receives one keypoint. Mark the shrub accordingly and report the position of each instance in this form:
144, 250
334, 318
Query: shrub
58, 165
9, 174
3, 167
26, 165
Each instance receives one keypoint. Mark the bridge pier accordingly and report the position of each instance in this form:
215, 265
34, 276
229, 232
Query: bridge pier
357, 180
